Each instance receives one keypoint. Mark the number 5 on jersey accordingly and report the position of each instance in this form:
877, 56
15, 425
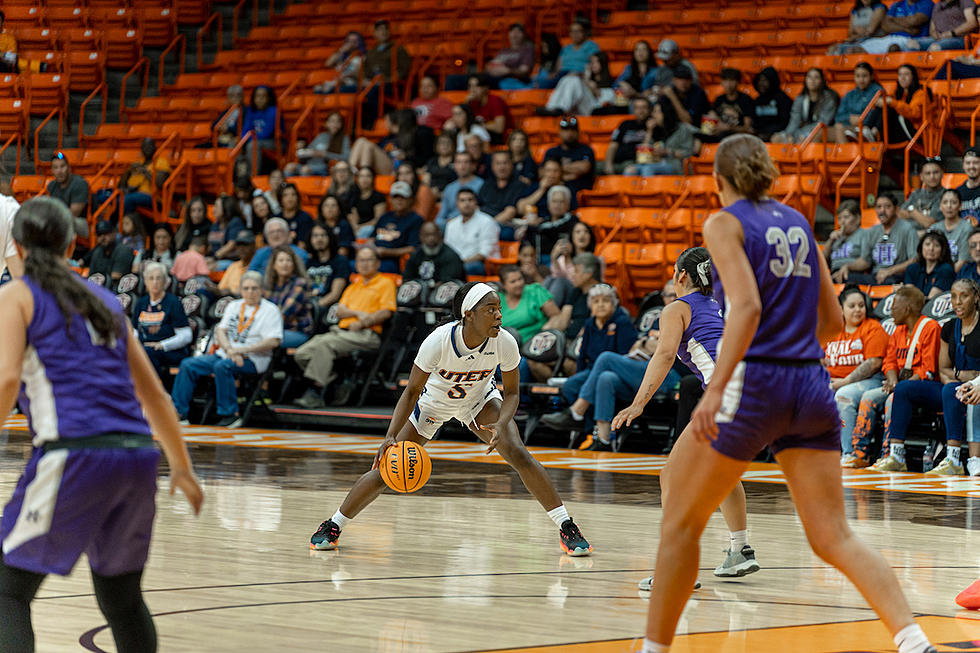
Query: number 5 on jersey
785, 264
456, 392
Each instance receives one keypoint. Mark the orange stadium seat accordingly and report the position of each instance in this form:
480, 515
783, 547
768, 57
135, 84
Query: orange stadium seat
46, 92
645, 267
18, 16
11, 86
81, 38
37, 38
609, 190
111, 17
13, 117
602, 220
86, 70
659, 192
65, 17
27, 186
122, 47
158, 25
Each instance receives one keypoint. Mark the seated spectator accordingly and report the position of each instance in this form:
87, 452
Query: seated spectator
465, 168
462, 123
545, 231
511, 67
573, 57
969, 190
261, 211
888, 248
430, 109
347, 61
406, 141
244, 192
195, 223
192, 262
577, 159
956, 229
959, 369
342, 185
489, 110
562, 291
161, 249
478, 150
71, 190
688, 98
228, 129
333, 144
608, 329
276, 233
581, 241
425, 199
131, 234
951, 21
853, 104
525, 168
622, 151
364, 306
670, 57
331, 216
438, 171
288, 287
905, 22
144, 177
499, 195
582, 94
231, 280
397, 232
160, 322
815, 104
8, 49
276, 180
922, 206
866, 17
970, 269
109, 258
379, 58
905, 108
845, 243
328, 269
527, 308
733, 109
771, 106
368, 205
631, 82
853, 358
433, 262
227, 224
902, 363
932, 272
249, 331
300, 222
473, 234
262, 117
536, 202
666, 143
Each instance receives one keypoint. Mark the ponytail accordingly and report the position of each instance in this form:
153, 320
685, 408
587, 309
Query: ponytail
743, 160
696, 262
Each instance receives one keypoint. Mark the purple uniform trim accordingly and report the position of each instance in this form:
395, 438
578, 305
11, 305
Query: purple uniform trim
699, 344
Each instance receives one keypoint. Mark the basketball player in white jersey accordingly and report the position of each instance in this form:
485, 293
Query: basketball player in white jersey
8, 252
453, 377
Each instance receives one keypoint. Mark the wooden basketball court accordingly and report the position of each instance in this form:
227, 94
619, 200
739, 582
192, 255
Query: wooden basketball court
471, 563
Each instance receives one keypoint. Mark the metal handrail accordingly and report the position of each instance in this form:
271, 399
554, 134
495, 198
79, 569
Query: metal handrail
81, 112
93, 220
234, 19
224, 117
880, 95
167, 191
378, 80
200, 38
294, 132
143, 62
179, 39
37, 133
847, 173
15, 137
819, 127
235, 151
908, 149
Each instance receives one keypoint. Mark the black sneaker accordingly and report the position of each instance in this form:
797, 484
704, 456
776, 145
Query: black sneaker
598, 445
325, 538
227, 420
562, 421
572, 541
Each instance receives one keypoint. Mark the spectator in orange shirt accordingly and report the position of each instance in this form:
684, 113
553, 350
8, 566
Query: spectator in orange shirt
854, 359
904, 108
912, 355
191, 262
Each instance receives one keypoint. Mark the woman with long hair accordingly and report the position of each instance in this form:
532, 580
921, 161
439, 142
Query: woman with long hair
955, 227
905, 108
369, 205
932, 272
462, 123
161, 249
668, 141
583, 94
632, 81
300, 222
195, 223
95, 406
525, 167
438, 171
332, 144
287, 285
330, 214
328, 269
227, 223
816, 103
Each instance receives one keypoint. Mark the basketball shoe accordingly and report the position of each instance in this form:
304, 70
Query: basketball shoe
572, 541
738, 563
325, 538
889, 464
946, 468
647, 583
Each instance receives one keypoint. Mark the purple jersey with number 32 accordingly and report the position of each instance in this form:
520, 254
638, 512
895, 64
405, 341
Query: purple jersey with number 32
784, 257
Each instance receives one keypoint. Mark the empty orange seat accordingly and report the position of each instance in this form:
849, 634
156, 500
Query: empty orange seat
608, 190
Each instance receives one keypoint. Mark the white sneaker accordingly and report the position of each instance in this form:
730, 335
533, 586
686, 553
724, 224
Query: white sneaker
738, 563
647, 583
973, 466
847, 459
946, 468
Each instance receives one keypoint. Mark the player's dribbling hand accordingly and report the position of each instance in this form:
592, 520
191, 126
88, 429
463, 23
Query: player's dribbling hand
388, 442
703, 425
185, 480
626, 415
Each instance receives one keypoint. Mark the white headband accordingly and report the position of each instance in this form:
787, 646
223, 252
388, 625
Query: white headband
473, 297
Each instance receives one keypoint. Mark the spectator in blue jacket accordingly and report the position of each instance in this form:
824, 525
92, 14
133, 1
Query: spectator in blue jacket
854, 103
906, 21
260, 118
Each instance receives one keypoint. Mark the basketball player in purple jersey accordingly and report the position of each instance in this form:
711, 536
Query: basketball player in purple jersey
768, 389
89, 487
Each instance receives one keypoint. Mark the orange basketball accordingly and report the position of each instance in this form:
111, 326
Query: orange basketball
406, 467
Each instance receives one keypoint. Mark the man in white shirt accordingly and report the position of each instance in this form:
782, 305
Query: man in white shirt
8, 253
473, 234
249, 331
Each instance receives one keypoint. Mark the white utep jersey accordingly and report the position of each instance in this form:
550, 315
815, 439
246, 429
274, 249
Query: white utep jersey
457, 375
8, 207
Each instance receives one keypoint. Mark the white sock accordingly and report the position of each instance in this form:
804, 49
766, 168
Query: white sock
898, 451
739, 539
650, 646
341, 520
577, 416
911, 639
559, 515
953, 453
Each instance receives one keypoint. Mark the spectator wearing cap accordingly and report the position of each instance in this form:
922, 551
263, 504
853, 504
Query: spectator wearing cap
624, 141
511, 68
573, 57
466, 177
488, 109
70, 189
397, 232
687, 97
192, 262
577, 159
160, 322
473, 234
433, 262
669, 55
732, 109
109, 259
231, 280
275, 233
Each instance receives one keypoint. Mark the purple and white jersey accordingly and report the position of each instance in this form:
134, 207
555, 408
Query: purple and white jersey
72, 386
781, 250
699, 344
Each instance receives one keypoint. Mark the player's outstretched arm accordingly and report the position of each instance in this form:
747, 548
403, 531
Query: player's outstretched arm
162, 416
416, 383
16, 314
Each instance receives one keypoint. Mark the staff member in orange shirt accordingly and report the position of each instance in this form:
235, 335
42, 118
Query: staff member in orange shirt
853, 359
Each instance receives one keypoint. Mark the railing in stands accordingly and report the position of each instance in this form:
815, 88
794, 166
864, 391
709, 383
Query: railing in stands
15, 138
859, 160
174, 141
973, 126
219, 38
880, 96
81, 112
181, 172
919, 133
303, 117
219, 123
819, 128
233, 154
277, 133
114, 200
235, 38
180, 40
144, 63
59, 111
377, 80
